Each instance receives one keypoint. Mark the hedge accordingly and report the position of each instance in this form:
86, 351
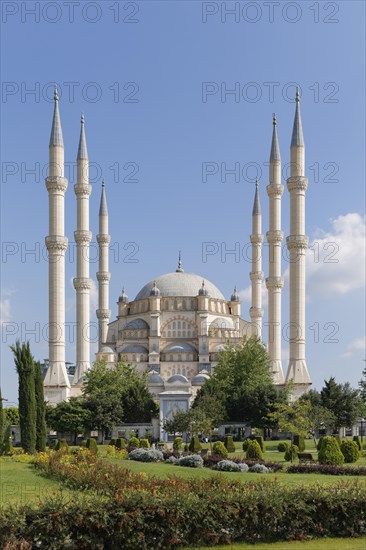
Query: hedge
326, 469
188, 513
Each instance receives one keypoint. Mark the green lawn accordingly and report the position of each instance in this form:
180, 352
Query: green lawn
165, 470
21, 483
319, 544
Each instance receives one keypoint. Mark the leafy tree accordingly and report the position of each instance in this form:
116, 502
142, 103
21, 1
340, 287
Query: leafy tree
362, 386
12, 415
180, 422
293, 418
41, 428
206, 414
69, 417
320, 417
343, 401
24, 364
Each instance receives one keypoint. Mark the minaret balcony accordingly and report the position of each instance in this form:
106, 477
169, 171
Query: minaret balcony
256, 276
297, 242
103, 276
82, 189
256, 312
256, 238
103, 239
297, 183
56, 185
273, 283
274, 236
103, 313
82, 236
274, 190
56, 244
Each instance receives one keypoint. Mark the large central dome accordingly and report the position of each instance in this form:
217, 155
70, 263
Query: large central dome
180, 284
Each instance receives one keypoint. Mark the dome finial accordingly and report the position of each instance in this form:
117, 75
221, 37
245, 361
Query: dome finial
274, 119
55, 94
180, 268
235, 295
297, 94
103, 182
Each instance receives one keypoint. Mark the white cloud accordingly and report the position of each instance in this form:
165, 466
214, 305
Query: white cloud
5, 314
93, 297
336, 259
358, 344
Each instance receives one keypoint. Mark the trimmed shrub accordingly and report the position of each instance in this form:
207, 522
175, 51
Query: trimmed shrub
299, 441
320, 443
259, 469
186, 447
337, 438
146, 455
53, 442
283, 446
134, 442
195, 445
330, 452
192, 461
260, 441
171, 460
231, 466
162, 446
144, 443
350, 450
178, 444
120, 443
113, 441
61, 445
83, 443
246, 444
357, 440
122, 454
219, 449
91, 444
254, 451
229, 443
292, 452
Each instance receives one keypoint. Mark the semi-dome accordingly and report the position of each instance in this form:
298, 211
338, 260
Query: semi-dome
136, 324
154, 378
179, 283
178, 378
105, 349
183, 347
135, 348
200, 379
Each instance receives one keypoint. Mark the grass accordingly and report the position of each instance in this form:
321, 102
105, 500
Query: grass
318, 544
164, 470
21, 483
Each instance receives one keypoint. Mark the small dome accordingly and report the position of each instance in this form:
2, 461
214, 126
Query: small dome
199, 379
184, 347
203, 290
136, 324
235, 296
154, 291
178, 378
123, 298
135, 348
155, 379
223, 323
106, 349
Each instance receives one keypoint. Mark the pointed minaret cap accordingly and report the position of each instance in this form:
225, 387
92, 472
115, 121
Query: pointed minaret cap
297, 139
275, 148
257, 204
103, 210
179, 268
56, 132
82, 151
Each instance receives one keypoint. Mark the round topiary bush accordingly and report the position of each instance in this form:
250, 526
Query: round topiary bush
292, 453
195, 445
320, 443
299, 441
91, 444
178, 444
134, 442
254, 451
260, 441
144, 444
229, 443
61, 445
330, 452
120, 443
192, 461
146, 455
283, 446
218, 448
350, 451
246, 444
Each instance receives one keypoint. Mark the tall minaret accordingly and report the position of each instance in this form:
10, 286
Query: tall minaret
82, 283
297, 244
275, 282
103, 275
56, 381
256, 275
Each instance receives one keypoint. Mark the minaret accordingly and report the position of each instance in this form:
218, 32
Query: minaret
56, 381
82, 283
297, 244
103, 275
256, 275
275, 282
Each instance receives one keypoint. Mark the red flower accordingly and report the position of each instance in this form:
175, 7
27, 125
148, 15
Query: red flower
120, 500
54, 515
120, 490
131, 515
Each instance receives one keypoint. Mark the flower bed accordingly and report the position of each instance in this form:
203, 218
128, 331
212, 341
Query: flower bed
138, 511
213, 460
327, 469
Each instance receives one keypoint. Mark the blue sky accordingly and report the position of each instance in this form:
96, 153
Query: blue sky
139, 71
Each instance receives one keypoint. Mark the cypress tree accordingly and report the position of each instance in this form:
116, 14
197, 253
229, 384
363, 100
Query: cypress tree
2, 424
24, 365
41, 430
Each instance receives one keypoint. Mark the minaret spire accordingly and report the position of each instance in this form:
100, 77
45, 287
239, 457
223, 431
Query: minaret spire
82, 282
56, 381
103, 275
297, 243
256, 275
275, 282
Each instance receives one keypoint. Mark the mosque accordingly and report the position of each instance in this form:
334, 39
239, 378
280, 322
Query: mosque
178, 322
